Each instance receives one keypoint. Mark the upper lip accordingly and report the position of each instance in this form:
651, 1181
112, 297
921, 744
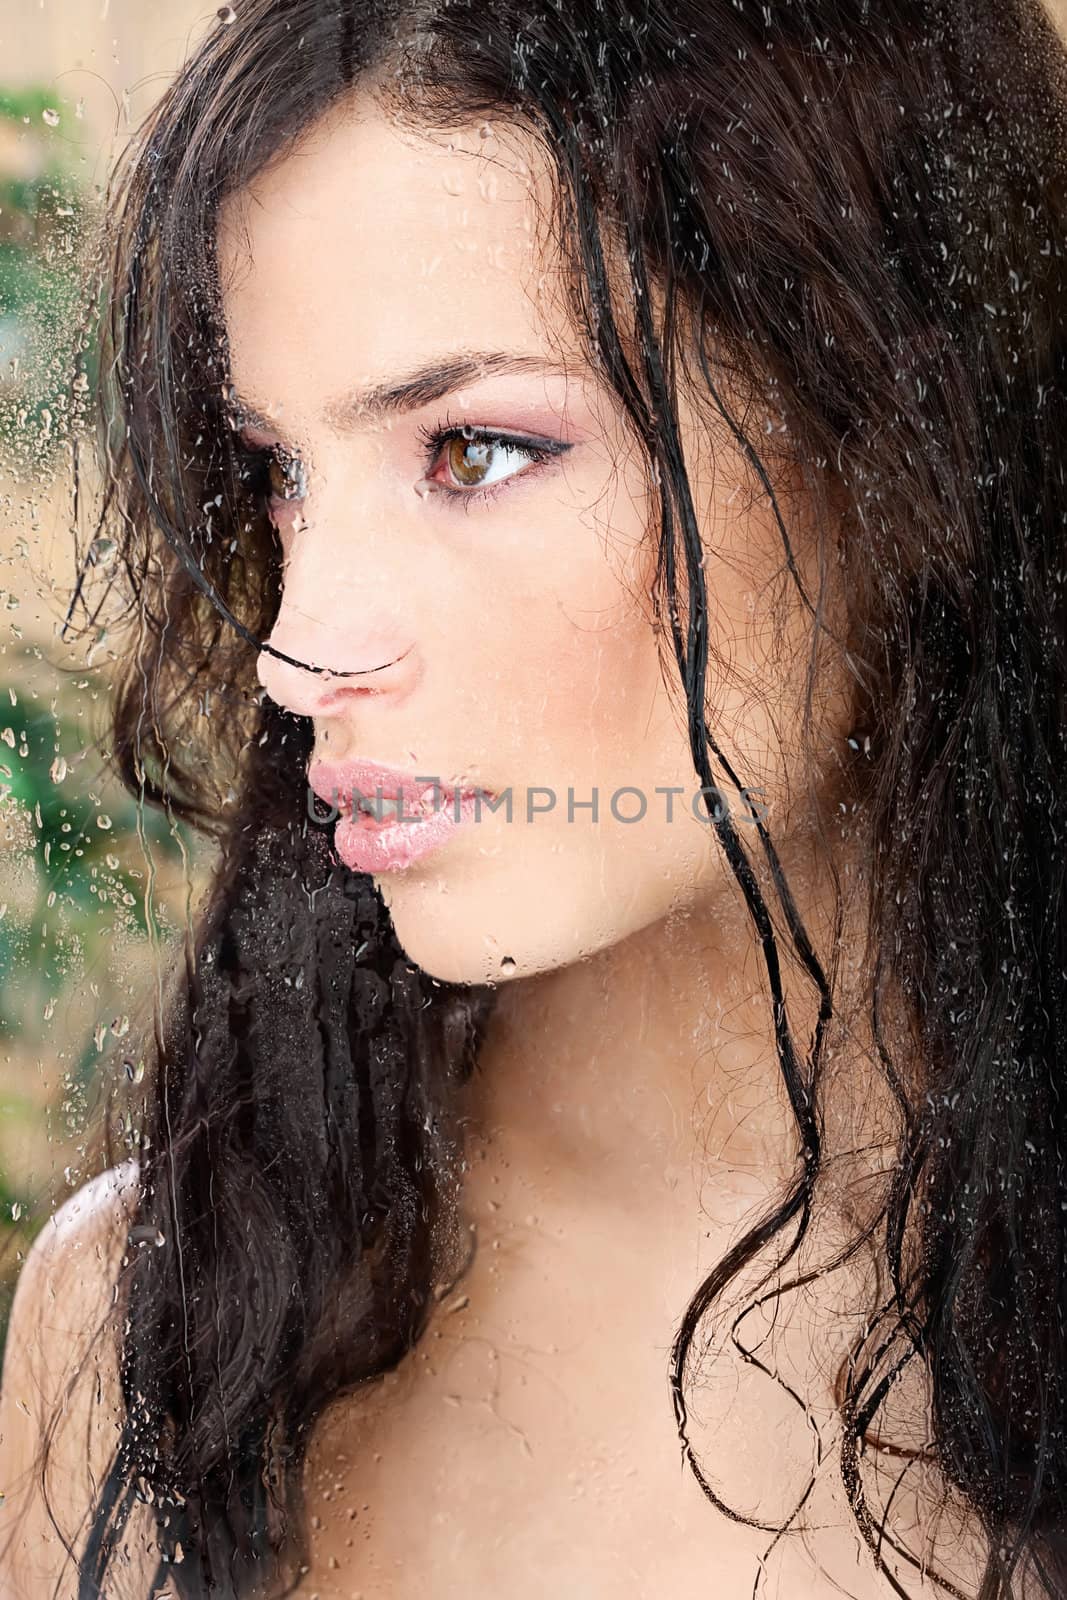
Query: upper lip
334, 782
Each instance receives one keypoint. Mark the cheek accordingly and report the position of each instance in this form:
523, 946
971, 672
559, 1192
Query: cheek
573, 620
583, 667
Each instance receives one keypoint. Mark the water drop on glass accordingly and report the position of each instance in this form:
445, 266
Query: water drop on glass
145, 1234
102, 552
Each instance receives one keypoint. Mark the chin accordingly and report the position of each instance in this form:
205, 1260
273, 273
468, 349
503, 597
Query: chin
519, 913
449, 947
462, 936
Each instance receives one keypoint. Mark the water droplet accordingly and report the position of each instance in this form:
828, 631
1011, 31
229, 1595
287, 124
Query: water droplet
8, 736
226, 15
508, 964
102, 552
16, 1210
51, 116
144, 1233
113, 862
103, 821
426, 486
58, 770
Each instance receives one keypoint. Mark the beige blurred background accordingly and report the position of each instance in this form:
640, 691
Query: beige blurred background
99, 50
100, 65
93, 893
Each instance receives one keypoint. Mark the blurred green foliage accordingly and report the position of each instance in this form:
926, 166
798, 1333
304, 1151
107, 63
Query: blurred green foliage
77, 843
43, 300
80, 853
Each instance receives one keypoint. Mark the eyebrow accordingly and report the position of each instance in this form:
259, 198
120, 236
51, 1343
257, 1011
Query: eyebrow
419, 387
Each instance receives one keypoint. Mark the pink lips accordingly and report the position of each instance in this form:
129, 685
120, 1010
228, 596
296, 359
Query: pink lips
367, 843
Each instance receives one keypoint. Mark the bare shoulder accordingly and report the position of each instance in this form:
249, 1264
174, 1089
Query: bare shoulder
60, 1386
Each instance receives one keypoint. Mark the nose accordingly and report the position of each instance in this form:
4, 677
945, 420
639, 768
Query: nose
356, 658
346, 617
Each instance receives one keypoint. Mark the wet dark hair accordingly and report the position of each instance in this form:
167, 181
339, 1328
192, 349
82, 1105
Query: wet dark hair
858, 212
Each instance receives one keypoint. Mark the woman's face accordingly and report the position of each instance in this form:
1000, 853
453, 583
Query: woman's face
509, 605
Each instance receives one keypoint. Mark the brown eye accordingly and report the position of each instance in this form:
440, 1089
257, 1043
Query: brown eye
286, 475
469, 460
480, 461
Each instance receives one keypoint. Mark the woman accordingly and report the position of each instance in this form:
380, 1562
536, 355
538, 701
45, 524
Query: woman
631, 436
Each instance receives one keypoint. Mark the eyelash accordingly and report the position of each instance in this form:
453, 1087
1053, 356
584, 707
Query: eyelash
436, 438
258, 459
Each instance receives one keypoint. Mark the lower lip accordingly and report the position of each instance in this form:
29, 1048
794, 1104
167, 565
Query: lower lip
367, 845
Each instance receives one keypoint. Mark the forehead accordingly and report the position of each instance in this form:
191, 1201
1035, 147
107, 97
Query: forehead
367, 248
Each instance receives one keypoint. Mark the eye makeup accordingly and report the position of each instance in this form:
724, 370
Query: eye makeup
277, 475
477, 448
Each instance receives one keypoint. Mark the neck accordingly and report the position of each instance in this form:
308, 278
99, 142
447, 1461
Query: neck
610, 1081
